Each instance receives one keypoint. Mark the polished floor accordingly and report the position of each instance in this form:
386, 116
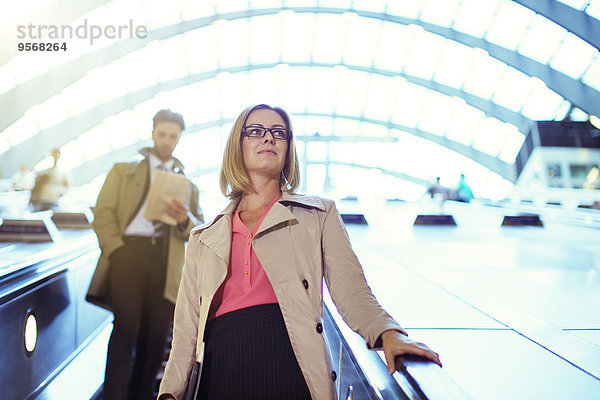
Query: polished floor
513, 311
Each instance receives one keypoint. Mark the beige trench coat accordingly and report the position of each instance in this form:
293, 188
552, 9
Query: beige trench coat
119, 200
301, 238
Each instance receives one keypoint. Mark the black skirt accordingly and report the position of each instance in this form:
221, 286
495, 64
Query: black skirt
248, 355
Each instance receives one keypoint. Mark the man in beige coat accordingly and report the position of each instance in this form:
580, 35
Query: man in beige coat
139, 270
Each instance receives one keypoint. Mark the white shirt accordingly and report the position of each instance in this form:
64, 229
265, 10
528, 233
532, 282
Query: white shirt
140, 226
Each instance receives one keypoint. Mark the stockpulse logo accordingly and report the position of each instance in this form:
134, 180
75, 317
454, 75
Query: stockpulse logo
82, 31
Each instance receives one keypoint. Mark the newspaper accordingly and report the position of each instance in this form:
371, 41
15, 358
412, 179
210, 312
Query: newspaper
165, 187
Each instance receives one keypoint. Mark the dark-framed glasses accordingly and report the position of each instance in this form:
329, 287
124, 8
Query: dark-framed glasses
257, 132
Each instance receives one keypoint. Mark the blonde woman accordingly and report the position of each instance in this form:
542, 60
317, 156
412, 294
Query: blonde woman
251, 296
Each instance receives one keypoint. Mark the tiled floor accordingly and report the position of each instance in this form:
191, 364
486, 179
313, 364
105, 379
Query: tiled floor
513, 311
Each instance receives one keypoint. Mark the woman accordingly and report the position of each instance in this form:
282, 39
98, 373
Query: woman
251, 291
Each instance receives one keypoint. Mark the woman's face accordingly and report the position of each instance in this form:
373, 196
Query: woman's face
264, 155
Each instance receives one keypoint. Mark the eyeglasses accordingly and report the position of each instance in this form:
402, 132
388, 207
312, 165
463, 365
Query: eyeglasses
257, 132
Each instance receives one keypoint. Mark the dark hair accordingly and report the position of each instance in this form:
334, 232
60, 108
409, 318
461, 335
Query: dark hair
168, 116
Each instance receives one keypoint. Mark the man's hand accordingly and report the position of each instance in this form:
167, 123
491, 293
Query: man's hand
396, 344
178, 211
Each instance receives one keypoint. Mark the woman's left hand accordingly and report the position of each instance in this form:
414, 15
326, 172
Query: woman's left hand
395, 344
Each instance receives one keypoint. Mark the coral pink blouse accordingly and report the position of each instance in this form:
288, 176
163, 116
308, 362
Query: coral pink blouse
246, 284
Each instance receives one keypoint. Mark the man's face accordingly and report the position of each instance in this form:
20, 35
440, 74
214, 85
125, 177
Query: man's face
166, 136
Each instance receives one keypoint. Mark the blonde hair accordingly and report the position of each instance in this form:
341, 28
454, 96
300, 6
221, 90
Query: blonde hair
234, 176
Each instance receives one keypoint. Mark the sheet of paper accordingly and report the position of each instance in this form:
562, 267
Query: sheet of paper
165, 186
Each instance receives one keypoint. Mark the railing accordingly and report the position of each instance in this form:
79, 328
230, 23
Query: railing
362, 374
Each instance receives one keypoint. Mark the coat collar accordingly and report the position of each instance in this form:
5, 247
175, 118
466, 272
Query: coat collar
216, 234
177, 166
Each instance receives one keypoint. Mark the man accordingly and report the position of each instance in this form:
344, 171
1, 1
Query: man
140, 267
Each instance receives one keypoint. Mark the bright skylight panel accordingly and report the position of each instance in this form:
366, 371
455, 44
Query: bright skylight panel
541, 39
509, 25
512, 145
138, 69
322, 91
541, 104
393, 45
80, 96
172, 64
161, 13
346, 127
484, 75
50, 112
24, 128
409, 104
27, 65
4, 145
352, 94
374, 130
235, 93
196, 9
562, 110
594, 9
491, 137
231, 5
592, 75
335, 3
513, 89
331, 34
381, 95
264, 39
573, 56
263, 86
362, 40
436, 113
232, 43
120, 130
322, 125
297, 40
207, 100
201, 49
70, 156
256, 4
454, 64
301, 3
370, 5
408, 9
293, 90
474, 17
440, 12
464, 123
7, 79
424, 54
576, 4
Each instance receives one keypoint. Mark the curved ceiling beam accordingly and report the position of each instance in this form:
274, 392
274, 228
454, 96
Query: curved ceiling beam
37, 146
15, 102
91, 169
395, 174
575, 21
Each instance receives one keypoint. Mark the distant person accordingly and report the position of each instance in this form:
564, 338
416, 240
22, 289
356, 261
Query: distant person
23, 179
463, 191
251, 294
50, 184
436, 188
138, 272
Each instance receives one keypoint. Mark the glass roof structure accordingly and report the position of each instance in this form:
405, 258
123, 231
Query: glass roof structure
384, 94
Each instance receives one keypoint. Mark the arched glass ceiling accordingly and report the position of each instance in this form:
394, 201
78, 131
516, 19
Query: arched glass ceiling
355, 68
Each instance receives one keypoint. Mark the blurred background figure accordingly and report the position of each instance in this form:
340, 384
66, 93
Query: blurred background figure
463, 191
23, 179
50, 185
436, 188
